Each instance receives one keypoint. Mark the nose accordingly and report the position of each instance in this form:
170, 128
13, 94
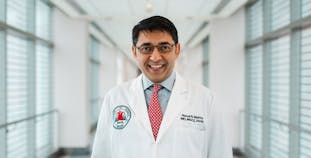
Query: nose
155, 56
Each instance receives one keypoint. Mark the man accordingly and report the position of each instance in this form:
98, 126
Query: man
159, 114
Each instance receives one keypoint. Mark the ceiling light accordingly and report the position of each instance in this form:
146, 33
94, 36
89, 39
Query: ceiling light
149, 7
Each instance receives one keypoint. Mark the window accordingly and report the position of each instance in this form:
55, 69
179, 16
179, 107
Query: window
205, 62
279, 97
2, 93
26, 111
20, 14
306, 8
254, 21
17, 93
43, 100
43, 78
17, 140
278, 79
254, 89
17, 78
43, 17
2, 10
280, 15
43, 136
94, 80
305, 90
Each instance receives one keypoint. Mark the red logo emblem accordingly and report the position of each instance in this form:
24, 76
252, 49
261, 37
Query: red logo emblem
120, 115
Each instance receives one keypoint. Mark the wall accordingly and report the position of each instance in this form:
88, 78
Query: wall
226, 62
131, 69
71, 80
108, 69
115, 68
189, 64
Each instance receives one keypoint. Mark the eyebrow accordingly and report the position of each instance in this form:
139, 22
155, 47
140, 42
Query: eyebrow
150, 44
164, 43
146, 44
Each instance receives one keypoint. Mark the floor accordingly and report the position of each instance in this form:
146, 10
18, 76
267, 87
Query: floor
89, 157
82, 156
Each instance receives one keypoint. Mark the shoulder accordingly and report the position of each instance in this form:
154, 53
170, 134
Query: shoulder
201, 90
200, 87
198, 91
197, 87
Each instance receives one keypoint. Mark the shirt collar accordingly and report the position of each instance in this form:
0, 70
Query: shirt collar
168, 83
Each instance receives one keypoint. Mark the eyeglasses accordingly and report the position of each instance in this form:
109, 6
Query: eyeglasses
162, 48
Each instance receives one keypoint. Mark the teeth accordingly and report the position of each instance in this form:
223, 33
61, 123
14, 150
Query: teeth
156, 66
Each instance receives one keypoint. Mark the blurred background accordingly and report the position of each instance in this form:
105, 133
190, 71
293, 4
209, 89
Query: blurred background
58, 58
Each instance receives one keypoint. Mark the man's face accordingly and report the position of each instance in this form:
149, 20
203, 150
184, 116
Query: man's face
157, 65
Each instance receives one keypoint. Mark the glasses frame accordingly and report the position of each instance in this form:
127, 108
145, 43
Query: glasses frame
157, 46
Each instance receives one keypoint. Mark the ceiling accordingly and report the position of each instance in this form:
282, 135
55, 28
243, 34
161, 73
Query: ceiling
116, 18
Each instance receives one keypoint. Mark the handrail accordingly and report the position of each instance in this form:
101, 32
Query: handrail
28, 118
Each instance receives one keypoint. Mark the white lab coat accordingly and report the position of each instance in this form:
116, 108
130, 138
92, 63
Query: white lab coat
191, 126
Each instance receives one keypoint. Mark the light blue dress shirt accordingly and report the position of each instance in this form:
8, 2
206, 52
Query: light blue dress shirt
164, 93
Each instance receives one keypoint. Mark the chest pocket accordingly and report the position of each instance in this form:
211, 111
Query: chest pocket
190, 139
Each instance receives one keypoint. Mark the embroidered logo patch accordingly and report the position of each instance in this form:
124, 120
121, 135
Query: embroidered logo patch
121, 116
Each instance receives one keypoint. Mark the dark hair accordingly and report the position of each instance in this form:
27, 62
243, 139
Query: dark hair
154, 23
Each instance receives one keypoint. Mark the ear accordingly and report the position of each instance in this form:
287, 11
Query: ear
134, 53
177, 49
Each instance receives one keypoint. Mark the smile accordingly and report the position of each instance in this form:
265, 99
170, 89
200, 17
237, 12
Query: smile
156, 67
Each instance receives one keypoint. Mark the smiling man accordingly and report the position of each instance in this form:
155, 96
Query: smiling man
156, 52
159, 114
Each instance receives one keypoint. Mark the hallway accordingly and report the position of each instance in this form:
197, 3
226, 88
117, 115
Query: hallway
60, 58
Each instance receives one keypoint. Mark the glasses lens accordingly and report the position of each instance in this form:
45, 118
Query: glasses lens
165, 48
146, 49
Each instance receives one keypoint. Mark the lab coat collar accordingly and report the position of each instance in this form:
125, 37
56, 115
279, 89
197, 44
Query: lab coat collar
178, 100
138, 105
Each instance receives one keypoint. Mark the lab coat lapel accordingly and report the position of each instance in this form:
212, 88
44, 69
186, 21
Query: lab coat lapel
138, 105
178, 100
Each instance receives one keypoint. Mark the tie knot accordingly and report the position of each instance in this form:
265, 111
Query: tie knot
156, 87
